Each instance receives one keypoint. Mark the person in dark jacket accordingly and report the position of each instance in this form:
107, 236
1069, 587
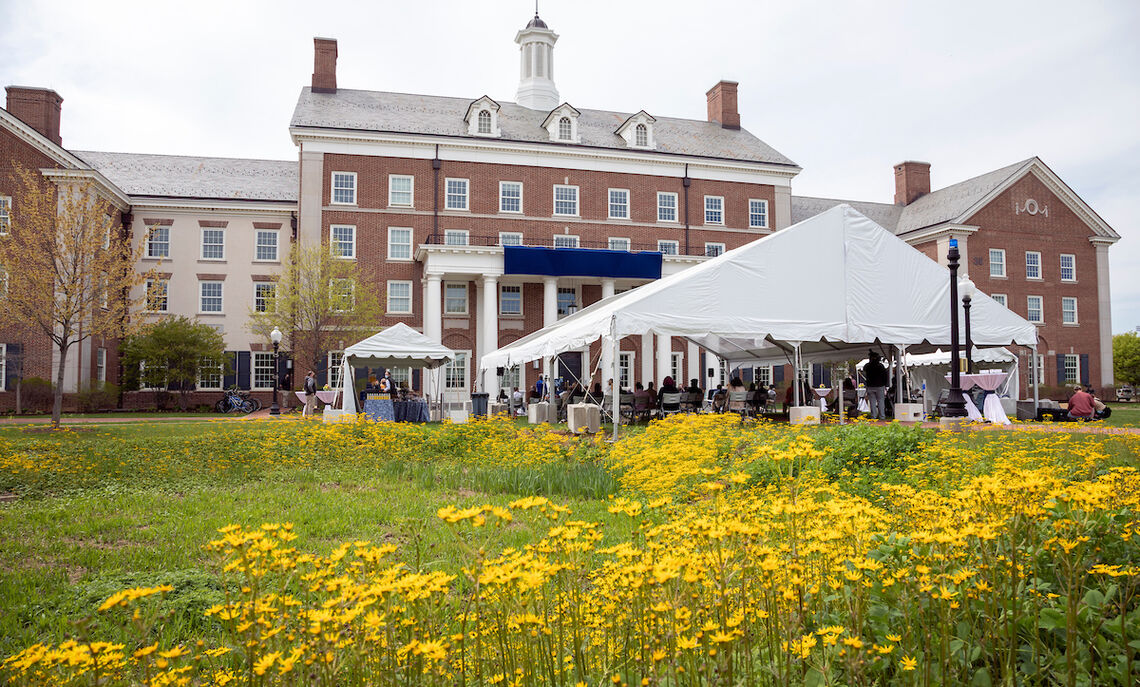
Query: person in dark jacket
877, 382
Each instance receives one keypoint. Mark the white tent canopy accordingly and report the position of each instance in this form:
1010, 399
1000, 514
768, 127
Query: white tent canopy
932, 368
827, 285
396, 346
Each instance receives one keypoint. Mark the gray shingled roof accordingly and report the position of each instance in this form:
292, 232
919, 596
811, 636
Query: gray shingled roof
443, 116
176, 176
936, 207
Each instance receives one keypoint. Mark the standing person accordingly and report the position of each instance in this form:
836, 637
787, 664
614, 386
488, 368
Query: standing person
386, 386
877, 382
310, 393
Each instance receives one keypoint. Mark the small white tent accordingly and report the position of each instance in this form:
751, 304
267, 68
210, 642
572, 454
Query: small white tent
822, 287
396, 346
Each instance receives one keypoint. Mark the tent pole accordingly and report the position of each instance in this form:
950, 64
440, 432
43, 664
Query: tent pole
1036, 378
899, 374
796, 377
616, 400
838, 377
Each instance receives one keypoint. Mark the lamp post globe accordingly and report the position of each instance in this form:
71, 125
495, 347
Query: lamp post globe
966, 288
275, 337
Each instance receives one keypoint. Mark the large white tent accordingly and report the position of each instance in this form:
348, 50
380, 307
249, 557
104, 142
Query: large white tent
821, 288
396, 346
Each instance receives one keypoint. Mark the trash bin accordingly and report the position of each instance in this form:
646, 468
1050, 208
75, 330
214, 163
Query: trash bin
479, 404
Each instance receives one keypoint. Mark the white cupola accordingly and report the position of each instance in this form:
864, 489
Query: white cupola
536, 66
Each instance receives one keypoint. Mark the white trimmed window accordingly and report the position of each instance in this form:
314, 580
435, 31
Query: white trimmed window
484, 122
757, 213
666, 207
511, 377
1034, 312
455, 237
344, 188
5, 216
762, 374
399, 298
641, 136
210, 297
399, 243
210, 373
625, 369
565, 241
714, 209
400, 187
565, 129
997, 262
157, 295
566, 201
1072, 368
455, 298
619, 203
401, 376
1000, 298
342, 295
510, 238
335, 358
456, 194
567, 296
510, 299
1068, 310
213, 243
668, 247
265, 248
262, 370
1068, 267
1032, 371
713, 249
455, 372
617, 243
264, 296
510, 196
1032, 264
342, 240
676, 366
158, 241
100, 366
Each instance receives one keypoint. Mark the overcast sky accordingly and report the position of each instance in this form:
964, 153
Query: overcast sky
844, 89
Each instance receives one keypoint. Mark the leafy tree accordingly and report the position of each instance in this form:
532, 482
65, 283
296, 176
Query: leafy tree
171, 352
69, 267
1126, 358
318, 302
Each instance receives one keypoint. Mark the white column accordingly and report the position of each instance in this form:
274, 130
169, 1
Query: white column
433, 323
646, 359
1104, 317
549, 316
607, 346
693, 362
489, 326
664, 357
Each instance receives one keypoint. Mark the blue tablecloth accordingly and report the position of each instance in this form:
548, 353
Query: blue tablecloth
396, 411
380, 409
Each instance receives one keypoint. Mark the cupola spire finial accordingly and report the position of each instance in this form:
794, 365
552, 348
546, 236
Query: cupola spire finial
536, 65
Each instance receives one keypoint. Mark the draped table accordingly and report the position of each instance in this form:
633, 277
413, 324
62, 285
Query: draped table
821, 393
863, 406
326, 397
991, 406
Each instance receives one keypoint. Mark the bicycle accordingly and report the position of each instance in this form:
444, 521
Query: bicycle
233, 401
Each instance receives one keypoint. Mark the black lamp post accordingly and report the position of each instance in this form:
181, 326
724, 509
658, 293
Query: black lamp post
956, 403
275, 337
966, 286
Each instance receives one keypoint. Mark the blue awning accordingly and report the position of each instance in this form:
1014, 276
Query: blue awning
581, 262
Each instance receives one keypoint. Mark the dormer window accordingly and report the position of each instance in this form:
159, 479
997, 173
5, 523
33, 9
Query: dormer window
638, 131
562, 124
483, 118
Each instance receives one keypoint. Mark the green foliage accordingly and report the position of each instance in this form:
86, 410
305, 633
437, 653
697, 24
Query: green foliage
170, 353
36, 395
1126, 358
100, 396
858, 447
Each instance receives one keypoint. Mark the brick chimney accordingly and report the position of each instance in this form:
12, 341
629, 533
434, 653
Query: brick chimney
324, 65
39, 108
722, 105
912, 181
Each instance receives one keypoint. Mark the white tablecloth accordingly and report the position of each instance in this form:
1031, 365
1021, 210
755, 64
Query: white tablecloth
991, 406
863, 406
821, 393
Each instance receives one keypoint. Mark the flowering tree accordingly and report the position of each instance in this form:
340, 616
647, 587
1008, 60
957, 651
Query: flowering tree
68, 268
318, 302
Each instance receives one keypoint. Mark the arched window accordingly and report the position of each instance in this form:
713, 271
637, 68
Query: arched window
484, 122
564, 129
641, 136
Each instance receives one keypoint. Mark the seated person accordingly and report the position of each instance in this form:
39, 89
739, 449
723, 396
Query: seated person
595, 395
517, 402
713, 392
695, 388
502, 396
668, 387
1081, 406
735, 384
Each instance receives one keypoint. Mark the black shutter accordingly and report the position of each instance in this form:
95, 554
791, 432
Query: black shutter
243, 370
1061, 369
12, 366
1085, 369
777, 373
826, 375
416, 379
746, 375
230, 377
